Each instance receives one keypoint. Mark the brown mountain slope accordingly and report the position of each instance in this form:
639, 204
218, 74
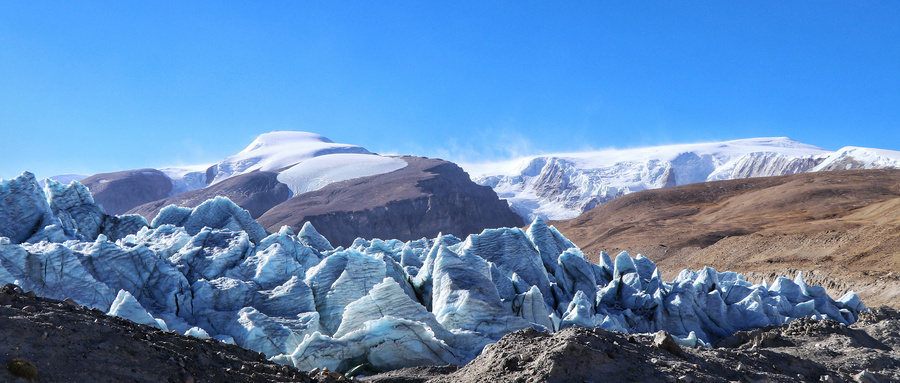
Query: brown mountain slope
256, 191
427, 197
118, 192
841, 228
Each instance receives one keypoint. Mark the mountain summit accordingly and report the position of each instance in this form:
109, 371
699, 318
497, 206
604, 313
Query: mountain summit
564, 185
278, 150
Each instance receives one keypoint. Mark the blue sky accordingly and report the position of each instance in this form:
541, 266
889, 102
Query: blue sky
89, 87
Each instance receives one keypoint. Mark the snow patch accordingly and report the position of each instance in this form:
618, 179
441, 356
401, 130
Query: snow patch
277, 150
564, 185
318, 172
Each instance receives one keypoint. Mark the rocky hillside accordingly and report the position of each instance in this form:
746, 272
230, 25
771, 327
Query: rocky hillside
842, 228
424, 198
257, 192
119, 192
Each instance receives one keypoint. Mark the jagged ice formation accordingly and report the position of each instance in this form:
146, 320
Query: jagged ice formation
377, 305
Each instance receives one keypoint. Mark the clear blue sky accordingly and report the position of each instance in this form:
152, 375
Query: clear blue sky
89, 87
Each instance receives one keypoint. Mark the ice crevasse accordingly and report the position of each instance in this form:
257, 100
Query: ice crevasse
375, 306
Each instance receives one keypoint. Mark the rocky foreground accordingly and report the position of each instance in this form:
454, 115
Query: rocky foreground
46, 340
804, 350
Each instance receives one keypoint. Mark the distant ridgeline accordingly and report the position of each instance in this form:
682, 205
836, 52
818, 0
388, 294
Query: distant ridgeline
212, 271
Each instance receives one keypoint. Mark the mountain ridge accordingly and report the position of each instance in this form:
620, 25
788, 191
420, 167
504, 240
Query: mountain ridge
564, 185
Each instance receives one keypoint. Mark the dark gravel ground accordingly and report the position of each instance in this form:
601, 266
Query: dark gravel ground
801, 351
46, 340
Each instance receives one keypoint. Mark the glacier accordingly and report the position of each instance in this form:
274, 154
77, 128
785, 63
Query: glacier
375, 306
564, 185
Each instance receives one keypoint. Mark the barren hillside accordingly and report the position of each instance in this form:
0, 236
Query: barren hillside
841, 228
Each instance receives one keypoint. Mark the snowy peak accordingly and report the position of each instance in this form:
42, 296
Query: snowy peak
282, 139
277, 150
853, 157
563, 185
720, 150
282, 163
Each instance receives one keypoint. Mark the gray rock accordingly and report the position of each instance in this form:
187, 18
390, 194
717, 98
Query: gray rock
664, 341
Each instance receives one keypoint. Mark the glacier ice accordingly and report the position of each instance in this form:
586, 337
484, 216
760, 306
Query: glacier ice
125, 306
57, 213
216, 213
197, 332
377, 305
310, 237
23, 208
315, 173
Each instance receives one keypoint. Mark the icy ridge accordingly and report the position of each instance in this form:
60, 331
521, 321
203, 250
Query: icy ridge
57, 213
384, 304
564, 185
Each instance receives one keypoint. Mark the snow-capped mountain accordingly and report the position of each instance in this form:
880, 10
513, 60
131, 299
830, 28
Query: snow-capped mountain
345, 189
295, 156
852, 157
302, 161
564, 185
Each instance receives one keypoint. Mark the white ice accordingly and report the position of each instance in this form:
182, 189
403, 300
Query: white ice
381, 304
277, 150
317, 172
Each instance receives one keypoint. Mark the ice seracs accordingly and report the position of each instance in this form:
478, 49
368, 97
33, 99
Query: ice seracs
379, 304
218, 213
57, 213
125, 306
23, 208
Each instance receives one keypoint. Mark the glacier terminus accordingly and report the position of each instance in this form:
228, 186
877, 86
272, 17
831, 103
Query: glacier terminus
377, 305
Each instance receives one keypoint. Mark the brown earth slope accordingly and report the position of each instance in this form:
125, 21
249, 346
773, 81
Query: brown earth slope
257, 192
424, 198
118, 192
841, 228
